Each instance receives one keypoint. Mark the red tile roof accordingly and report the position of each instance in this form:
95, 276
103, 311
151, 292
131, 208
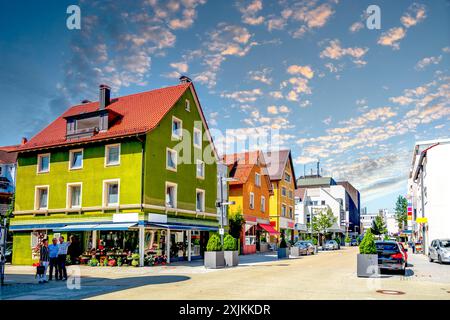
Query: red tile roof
7, 156
139, 113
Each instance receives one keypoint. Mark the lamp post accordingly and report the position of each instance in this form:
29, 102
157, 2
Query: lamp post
221, 204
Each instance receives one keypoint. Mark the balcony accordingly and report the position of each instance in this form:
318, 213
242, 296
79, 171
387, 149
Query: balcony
81, 133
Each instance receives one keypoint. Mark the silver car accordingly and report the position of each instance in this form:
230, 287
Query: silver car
439, 250
331, 245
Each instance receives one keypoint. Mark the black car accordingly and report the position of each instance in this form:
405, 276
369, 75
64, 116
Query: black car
391, 256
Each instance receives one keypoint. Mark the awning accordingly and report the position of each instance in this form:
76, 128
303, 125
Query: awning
269, 228
76, 227
183, 227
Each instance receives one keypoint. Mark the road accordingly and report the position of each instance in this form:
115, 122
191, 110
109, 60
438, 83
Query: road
328, 275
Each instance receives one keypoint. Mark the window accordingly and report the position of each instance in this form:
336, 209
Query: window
111, 192
263, 204
41, 198
290, 213
76, 159
323, 202
171, 195
200, 200
257, 179
74, 195
43, 163
287, 177
291, 194
283, 210
112, 155
197, 138
177, 128
283, 191
252, 200
187, 105
171, 160
200, 169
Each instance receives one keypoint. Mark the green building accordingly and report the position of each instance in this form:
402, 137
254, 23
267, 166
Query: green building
133, 174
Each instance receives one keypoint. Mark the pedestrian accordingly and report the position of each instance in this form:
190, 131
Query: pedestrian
62, 254
53, 253
44, 259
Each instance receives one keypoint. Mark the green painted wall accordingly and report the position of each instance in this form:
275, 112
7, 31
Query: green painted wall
156, 173
91, 175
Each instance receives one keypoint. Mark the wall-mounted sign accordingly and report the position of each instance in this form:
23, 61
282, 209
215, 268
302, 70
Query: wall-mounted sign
422, 220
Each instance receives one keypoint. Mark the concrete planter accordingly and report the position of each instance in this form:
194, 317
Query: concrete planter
214, 259
283, 253
367, 265
295, 251
263, 247
231, 258
347, 244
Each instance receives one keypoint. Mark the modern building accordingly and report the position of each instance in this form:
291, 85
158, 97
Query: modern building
136, 173
282, 202
367, 221
8, 166
428, 191
388, 217
250, 190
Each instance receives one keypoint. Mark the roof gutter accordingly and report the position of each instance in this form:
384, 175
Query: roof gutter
423, 154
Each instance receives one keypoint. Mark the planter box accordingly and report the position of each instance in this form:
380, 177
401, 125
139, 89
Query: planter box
231, 258
283, 253
214, 259
347, 244
263, 247
367, 265
295, 251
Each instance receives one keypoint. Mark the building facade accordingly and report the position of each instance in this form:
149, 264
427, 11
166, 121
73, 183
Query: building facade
428, 190
8, 166
135, 174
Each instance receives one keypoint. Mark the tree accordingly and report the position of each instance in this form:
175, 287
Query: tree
379, 226
235, 223
367, 245
323, 221
401, 207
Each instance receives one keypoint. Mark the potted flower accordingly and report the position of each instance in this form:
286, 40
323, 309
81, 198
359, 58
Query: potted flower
214, 256
367, 259
283, 250
231, 253
135, 260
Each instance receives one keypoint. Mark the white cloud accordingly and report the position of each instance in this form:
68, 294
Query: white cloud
261, 76
335, 51
416, 13
243, 96
305, 71
250, 12
425, 62
392, 37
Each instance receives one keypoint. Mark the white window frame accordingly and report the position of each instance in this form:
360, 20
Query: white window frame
252, 200
105, 193
69, 195
71, 152
39, 157
203, 199
197, 130
37, 198
187, 105
198, 161
257, 179
175, 160
263, 204
180, 130
107, 147
175, 186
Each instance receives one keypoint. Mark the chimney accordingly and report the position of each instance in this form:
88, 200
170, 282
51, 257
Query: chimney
184, 79
105, 96
24, 140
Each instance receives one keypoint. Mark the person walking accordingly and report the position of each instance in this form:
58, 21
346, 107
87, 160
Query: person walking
62, 254
44, 259
53, 253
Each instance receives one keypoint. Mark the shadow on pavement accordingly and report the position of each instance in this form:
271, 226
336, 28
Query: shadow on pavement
25, 287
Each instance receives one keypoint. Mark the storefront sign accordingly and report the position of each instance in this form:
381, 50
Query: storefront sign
422, 220
125, 217
159, 218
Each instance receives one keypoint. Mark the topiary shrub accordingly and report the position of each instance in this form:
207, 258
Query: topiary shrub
367, 245
229, 243
214, 243
347, 239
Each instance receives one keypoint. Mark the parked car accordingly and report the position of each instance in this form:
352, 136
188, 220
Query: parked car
331, 245
391, 256
305, 248
439, 250
311, 243
353, 242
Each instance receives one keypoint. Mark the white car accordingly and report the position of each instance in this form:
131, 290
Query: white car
331, 245
439, 250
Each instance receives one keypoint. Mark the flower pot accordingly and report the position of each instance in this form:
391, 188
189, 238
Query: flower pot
367, 265
214, 259
231, 258
283, 253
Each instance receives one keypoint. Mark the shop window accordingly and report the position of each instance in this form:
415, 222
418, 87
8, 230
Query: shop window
171, 195
41, 198
44, 163
111, 191
177, 128
197, 138
112, 155
250, 235
171, 160
200, 169
75, 159
74, 195
252, 200
257, 179
200, 200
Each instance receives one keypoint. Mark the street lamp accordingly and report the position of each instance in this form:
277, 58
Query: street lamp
220, 204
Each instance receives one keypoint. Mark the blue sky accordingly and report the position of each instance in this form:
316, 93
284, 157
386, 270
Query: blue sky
309, 72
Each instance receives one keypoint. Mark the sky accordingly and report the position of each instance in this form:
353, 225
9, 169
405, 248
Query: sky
304, 75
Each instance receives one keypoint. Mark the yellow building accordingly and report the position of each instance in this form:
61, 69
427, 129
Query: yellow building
282, 202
